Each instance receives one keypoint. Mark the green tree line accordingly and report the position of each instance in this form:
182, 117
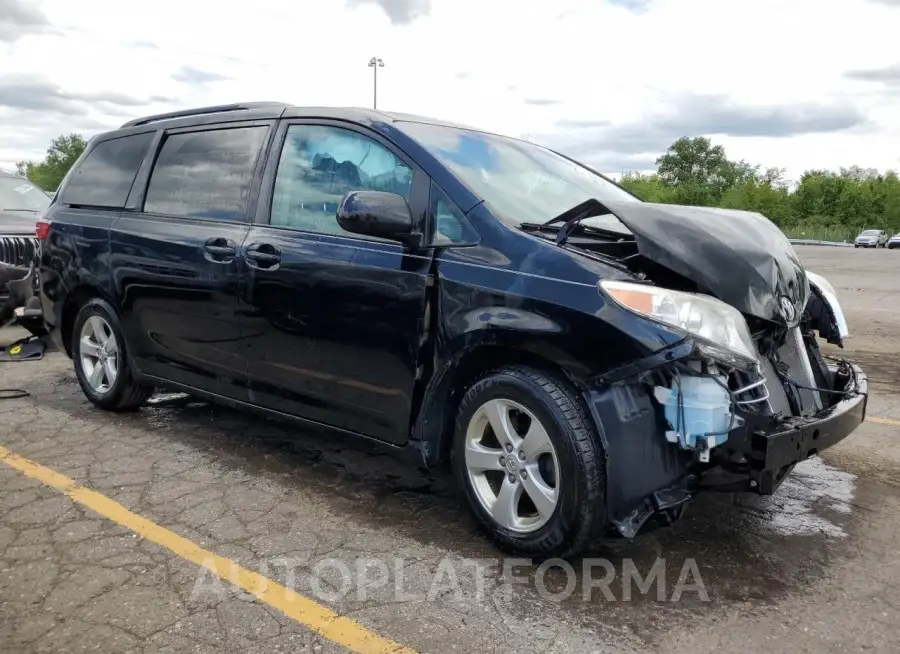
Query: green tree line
61, 155
822, 204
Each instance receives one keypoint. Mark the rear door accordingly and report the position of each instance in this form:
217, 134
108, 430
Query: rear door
89, 201
334, 319
175, 256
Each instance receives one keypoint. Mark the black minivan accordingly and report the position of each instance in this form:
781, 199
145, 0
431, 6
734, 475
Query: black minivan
586, 361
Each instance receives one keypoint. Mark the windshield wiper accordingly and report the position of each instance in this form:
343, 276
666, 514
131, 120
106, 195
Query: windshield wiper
15, 209
570, 218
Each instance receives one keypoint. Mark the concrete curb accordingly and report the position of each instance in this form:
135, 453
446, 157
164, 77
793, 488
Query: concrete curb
803, 241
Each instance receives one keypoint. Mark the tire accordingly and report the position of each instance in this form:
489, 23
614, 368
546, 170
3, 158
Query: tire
572, 472
123, 393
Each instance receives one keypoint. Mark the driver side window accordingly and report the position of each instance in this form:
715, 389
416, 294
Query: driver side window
319, 165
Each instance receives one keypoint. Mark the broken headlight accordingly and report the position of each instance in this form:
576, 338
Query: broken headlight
830, 296
720, 330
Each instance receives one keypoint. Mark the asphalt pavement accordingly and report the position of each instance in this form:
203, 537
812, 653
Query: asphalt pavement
190, 528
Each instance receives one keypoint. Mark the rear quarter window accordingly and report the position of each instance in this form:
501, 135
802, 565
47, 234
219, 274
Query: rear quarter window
105, 176
205, 173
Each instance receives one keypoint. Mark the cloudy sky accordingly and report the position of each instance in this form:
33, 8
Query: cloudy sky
789, 83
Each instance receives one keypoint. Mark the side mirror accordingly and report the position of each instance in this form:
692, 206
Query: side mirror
376, 213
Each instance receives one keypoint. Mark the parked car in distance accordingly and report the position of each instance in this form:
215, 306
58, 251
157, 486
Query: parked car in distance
585, 361
894, 241
871, 238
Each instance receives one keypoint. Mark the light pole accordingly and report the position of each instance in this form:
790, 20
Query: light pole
375, 63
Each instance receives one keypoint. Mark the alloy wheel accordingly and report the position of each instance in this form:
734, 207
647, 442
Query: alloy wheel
512, 465
99, 354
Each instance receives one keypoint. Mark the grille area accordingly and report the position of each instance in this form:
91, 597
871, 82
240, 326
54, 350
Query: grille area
793, 354
778, 399
18, 250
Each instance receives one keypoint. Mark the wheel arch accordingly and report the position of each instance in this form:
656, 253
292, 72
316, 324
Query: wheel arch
432, 432
76, 299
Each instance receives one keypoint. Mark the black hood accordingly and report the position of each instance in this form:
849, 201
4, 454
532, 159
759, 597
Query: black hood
17, 223
740, 257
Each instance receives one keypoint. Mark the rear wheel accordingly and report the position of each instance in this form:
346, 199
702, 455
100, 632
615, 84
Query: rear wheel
101, 361
530, 464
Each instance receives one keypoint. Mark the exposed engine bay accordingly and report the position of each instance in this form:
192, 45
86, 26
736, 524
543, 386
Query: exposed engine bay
725, 423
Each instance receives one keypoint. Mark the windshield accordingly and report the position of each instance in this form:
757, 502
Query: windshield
870, 232
521, 181
18, 194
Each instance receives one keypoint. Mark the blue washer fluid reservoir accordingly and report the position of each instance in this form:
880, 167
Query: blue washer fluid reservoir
705, 409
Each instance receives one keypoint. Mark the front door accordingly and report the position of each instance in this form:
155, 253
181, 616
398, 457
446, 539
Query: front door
176, 263
332, 319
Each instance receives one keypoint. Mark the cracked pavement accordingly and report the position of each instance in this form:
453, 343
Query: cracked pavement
363, 530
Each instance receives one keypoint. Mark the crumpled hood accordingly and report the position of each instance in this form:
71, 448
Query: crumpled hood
740, 257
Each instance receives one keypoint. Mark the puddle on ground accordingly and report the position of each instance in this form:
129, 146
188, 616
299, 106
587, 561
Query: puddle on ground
807, 501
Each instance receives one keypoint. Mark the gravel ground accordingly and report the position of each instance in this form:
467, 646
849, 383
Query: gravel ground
367, 533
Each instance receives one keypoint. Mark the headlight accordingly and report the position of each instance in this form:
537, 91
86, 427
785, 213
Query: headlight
720, 329
828, 293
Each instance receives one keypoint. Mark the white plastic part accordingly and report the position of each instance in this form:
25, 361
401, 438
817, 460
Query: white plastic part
830, 295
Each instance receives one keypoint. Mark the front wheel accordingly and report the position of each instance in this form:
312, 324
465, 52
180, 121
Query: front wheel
101, 361
530, 463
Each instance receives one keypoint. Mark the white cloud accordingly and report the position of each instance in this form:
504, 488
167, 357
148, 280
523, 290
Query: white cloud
639, 72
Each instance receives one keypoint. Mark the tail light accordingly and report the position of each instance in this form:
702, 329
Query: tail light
42, 229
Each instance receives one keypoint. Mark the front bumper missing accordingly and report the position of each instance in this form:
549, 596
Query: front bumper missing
646, 476
772, 452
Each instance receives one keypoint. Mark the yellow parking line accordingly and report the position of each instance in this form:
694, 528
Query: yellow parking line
884, 421
320, 619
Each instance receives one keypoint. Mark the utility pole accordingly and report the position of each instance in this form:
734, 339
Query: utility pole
375, 63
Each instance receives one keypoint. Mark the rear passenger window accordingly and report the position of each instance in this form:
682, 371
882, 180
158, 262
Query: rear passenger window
104, 177
205, 174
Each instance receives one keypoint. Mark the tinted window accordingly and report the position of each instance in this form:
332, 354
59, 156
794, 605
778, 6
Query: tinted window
319, 165
451, 227
18, 194
205, 174
104, 177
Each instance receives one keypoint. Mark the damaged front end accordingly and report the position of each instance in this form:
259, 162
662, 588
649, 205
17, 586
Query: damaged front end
19, 283
746, 395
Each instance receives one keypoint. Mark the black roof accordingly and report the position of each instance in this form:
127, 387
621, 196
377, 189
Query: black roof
283, 109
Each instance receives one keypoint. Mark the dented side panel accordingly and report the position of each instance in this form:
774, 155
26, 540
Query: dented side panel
513, 289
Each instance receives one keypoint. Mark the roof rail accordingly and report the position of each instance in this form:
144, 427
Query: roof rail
200, 111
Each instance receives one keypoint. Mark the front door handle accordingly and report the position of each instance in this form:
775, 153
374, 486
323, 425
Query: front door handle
262, 255
220, 250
